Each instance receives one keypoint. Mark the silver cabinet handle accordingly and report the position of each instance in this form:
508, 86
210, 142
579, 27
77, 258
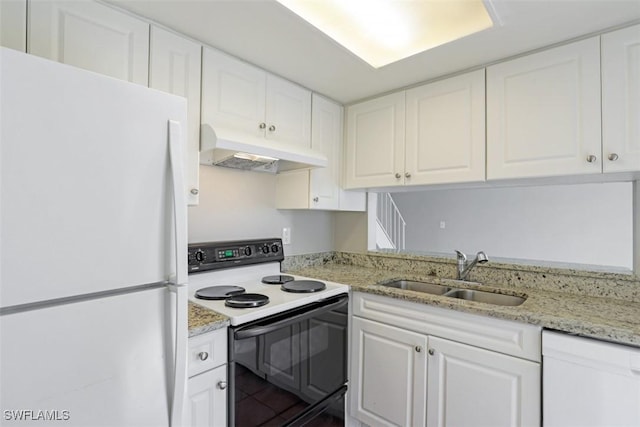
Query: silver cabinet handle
591, 158
407, 175
431, 352
398, 176
203, 355
272, 128
316, 199
613, 157
222, 385
262, 125
418, 349
194, 191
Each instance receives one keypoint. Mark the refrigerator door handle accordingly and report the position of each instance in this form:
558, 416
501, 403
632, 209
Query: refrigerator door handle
180, 280
179, 201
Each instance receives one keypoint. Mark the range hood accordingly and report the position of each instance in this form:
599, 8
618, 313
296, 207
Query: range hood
238, 150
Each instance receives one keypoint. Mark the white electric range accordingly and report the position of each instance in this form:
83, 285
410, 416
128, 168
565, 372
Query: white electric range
217, 269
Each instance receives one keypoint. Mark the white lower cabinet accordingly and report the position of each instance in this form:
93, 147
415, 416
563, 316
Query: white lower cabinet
388, 378
418, 365
206, 403
207, 400
469, 386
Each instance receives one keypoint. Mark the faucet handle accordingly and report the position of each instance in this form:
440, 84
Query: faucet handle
461, 256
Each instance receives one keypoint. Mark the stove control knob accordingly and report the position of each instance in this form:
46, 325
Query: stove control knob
199, 255
275, 248
265, 249
247, 251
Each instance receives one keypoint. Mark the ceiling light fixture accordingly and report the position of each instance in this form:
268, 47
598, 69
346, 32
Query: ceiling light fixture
385, 31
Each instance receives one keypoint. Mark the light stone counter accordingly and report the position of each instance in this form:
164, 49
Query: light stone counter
599, 305
203, 320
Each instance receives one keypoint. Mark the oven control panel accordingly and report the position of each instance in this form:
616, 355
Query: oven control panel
215, 255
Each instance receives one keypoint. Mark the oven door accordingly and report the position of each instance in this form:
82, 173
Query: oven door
290, 368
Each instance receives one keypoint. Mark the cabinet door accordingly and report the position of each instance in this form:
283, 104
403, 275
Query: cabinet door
621, 100
92, 36
207, 399
375, 142
446, 131
327, 139
543, 113
13, 24
469, 386
320, 188
174, 67
288, 112
233, 94
388, 375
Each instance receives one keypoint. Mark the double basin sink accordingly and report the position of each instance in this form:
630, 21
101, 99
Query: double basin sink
475, 295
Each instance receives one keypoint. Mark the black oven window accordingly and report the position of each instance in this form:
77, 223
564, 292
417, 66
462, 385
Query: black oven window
294, 374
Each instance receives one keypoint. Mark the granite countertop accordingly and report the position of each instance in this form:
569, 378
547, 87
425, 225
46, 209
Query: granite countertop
203, 320
612, 319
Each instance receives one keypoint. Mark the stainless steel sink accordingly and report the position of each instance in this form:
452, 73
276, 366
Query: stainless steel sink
485, 297
425, 287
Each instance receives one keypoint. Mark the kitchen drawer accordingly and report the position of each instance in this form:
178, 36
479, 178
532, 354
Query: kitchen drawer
207, 351
504, 336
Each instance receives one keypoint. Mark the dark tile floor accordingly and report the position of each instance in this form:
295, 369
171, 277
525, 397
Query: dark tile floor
260, 403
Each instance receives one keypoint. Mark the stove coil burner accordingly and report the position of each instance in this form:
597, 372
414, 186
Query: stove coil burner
219, 292
303, 286
246, 301
279, 279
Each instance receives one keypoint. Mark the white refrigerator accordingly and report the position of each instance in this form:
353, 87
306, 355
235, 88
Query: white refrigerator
93, 304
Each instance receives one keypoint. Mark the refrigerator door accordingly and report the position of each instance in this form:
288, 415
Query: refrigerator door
97, 362
86, 200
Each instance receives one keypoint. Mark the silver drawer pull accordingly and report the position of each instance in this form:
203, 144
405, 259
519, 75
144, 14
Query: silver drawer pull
591, 158
203, 355
222, 385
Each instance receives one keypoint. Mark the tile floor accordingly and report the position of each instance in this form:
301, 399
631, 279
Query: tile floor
263, 404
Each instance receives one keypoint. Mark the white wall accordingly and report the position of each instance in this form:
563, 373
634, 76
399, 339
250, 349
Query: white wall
585, 224
238, 204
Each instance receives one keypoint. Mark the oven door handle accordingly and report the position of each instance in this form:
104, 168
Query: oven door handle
319, 408
254, 331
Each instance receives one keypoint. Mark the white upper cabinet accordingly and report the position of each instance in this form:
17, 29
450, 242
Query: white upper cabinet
233, 93
240, 97
445, 134
174, 67
621, 100
320, 188
13, 24
375, 142
444, 139
288, 112
543, 113
92, 36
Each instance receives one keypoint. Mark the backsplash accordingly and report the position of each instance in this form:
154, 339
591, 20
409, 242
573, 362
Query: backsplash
577, 282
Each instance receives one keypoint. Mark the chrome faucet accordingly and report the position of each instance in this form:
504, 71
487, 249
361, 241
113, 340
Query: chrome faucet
464, 267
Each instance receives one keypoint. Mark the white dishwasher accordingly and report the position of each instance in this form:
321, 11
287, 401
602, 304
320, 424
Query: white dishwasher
586, 382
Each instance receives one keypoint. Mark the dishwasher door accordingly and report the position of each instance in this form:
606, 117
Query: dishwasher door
587, 382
